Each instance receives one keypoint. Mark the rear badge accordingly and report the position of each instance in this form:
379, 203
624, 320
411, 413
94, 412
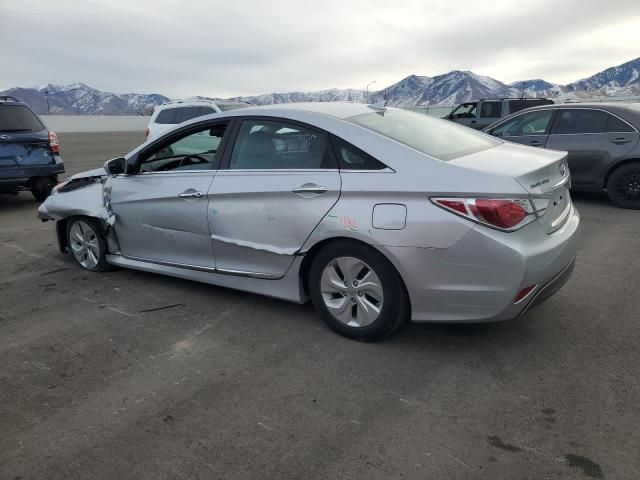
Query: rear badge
541, 182
563, 169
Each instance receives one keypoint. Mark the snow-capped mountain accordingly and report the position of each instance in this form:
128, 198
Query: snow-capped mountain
331, 95
611, 80
450, 88
79, 98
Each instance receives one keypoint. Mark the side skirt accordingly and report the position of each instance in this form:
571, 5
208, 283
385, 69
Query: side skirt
286, 288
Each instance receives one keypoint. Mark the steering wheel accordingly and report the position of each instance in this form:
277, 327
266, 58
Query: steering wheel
191, 158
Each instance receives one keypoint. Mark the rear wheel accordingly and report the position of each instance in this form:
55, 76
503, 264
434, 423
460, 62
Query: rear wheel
357, 291
41, 186
623, 186
87, 244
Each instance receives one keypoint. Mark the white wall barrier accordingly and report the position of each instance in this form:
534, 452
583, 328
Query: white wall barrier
95, 123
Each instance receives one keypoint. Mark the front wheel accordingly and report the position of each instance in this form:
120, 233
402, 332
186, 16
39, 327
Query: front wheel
87, 244
623, 186
357, 291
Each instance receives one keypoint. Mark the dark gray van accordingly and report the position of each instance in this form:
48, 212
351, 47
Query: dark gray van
482, 113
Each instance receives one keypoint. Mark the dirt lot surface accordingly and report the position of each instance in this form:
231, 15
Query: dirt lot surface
134, 375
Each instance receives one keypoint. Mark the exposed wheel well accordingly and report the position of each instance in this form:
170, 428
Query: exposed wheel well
61, 233
61, 230
616, 166
313, 251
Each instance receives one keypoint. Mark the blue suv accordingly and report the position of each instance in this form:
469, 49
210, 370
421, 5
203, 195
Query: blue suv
29, 151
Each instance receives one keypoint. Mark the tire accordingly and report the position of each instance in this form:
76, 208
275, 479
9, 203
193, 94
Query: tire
358, 310
87, 244
41, 187
623, 186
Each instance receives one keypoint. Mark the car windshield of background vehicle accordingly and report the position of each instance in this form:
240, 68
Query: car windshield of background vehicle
435, 137
18, 118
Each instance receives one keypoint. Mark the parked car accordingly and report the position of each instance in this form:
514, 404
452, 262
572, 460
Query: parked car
168, 115
602, 141
376, 214
29, 152
482, 113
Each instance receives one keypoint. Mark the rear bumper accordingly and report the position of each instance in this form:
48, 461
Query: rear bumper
551, 287
477, 279
16, 178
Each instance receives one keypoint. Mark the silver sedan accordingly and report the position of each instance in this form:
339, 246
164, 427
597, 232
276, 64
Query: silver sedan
377, 215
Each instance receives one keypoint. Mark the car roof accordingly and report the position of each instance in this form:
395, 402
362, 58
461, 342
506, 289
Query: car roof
340, 110
592, 105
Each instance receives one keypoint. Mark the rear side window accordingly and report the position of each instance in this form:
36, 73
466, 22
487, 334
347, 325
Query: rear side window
352, 158
18, 118
615, 125
167, 116
491, 110
588, 121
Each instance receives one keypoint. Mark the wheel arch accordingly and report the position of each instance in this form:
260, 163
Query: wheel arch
62, 227
311, 253
617, 165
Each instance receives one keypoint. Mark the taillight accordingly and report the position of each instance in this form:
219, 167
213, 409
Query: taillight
507, 214
146, 132
53, 143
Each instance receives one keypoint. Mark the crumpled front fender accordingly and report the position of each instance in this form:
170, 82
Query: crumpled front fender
86, 201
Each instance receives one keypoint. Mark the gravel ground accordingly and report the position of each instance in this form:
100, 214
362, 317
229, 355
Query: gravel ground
134, 375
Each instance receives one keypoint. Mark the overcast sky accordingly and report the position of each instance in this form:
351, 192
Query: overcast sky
224, 48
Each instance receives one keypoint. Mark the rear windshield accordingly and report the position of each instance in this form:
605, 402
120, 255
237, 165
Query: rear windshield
18, 118
437, 138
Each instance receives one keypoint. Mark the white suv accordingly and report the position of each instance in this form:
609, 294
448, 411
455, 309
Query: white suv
167, 115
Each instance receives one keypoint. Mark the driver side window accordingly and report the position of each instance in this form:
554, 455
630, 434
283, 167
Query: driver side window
194, 151
532, 123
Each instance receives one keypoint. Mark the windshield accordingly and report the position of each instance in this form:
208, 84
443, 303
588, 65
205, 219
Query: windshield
466, 110
435, 137
18, 118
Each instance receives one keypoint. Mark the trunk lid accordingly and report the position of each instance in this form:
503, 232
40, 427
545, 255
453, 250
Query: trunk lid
544, 174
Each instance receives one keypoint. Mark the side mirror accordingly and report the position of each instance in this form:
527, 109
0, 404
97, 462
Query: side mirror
116, 166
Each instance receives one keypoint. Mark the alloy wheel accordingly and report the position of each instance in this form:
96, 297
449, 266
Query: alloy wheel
352, 291
84, 245
628, 186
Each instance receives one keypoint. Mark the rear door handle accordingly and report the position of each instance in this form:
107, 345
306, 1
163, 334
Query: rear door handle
309, 188
535, 143
620, 141
190, 194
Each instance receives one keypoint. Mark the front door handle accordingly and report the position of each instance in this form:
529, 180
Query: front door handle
190, 194
309, 188
535, 143
620, 141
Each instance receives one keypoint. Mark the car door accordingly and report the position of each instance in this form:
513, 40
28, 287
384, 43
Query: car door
594, 138
161, 209
528, 128
279, 182
490, 112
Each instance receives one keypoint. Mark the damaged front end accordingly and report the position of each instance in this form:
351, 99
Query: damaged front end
85, 194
